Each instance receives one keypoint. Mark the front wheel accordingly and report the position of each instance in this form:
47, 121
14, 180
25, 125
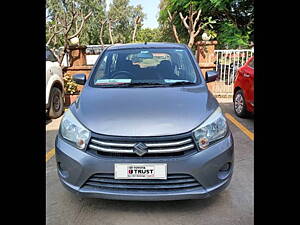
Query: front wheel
56, 103
239, 103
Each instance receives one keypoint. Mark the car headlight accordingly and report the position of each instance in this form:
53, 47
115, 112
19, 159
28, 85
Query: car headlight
73, 131
213, 128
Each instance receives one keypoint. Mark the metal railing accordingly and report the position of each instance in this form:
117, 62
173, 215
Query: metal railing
227, 63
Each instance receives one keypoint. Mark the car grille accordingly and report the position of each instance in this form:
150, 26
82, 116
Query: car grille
174, 182
162, 146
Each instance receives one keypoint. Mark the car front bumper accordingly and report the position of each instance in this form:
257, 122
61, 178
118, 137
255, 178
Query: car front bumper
75, 167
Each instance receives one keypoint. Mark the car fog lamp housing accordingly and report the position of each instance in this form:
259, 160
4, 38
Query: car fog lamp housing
72, 130
212, 129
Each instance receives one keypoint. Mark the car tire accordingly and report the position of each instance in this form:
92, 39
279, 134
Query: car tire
239, 105
56, 101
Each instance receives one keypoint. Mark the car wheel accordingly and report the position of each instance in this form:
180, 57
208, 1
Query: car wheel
239, 103
56, 104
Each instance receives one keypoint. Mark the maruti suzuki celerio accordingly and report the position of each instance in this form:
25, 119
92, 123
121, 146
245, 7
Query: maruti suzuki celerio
145, 127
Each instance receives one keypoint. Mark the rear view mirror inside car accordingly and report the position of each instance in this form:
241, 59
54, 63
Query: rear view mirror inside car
145, 55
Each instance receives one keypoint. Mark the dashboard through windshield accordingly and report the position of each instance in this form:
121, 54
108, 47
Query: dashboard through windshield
144, 66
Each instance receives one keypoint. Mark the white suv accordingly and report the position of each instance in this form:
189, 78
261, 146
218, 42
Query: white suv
54, 86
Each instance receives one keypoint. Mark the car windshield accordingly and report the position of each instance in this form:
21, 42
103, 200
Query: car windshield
144, 66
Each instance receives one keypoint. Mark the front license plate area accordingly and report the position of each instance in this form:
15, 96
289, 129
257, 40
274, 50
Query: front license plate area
141, 171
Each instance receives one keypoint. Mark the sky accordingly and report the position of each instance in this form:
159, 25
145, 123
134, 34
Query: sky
150, 8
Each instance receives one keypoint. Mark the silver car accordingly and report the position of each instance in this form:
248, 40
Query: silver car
145, 127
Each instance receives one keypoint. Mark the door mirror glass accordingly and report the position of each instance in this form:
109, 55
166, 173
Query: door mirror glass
211, 76
79, 78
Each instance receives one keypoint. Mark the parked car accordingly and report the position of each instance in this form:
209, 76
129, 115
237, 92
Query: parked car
54, 86
95, 49
243, 97
150, 133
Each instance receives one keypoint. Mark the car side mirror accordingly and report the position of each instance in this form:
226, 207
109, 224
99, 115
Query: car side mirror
79, 78
211, 76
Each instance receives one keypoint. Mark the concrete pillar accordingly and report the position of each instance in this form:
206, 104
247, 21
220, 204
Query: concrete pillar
206, 57
77, 61
77, 56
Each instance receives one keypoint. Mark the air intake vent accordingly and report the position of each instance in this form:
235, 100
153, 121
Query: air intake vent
179, 182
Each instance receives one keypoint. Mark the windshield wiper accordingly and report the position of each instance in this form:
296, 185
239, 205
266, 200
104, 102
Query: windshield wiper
133, 84
145, 84
180, 83
113, 85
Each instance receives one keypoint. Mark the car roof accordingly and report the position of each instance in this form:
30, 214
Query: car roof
146, 45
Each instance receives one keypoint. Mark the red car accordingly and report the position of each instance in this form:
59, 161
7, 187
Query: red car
243, 97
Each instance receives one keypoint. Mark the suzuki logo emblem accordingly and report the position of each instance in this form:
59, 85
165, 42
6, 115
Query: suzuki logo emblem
140, 149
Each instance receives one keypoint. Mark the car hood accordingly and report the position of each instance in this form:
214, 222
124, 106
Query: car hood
155, 111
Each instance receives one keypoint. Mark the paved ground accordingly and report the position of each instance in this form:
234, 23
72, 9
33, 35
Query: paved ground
233, 206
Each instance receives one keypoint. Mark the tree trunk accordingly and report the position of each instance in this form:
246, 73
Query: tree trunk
101, 34
66, 45
110, 32
61, 57
50, 39
137, 21
134, 31
171, 19
175, 34
191, 26
191, 41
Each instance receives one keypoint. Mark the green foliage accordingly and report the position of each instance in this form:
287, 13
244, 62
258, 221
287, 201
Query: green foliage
232, 37
120, 12
211, 33
62, 11
233, 20
123, 15
149, 35
207, 22
91, 31
173, 7
229, 21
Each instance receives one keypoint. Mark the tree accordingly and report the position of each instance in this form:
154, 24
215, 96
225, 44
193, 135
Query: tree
110, 21
68, 19
191, 25
235, 15
191, 22
91, 33
137, 21
171, 19
53, 30
149, 35
102, 22
232, 37
122, 18
168, 23
91, 23
118, 15
235, 21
